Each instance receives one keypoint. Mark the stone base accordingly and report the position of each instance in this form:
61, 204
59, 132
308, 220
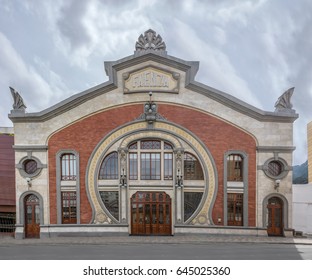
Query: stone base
288, 232
82, 230
222, 230
19, 232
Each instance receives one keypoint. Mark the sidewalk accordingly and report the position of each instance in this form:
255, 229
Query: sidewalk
177, 239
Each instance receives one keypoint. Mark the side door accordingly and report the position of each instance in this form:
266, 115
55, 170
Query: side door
32, 216
275, 217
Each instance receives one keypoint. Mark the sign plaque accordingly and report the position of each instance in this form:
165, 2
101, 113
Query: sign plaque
151, 79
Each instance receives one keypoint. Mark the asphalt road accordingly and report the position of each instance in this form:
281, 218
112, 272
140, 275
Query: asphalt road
213, 251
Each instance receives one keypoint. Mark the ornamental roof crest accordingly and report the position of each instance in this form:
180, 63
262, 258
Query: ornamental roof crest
150, 42
283, 104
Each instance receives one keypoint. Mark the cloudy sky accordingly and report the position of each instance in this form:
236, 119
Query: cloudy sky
253, 50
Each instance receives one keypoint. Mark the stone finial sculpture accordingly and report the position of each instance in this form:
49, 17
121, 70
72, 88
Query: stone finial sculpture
283, 102
149, 41
18, 100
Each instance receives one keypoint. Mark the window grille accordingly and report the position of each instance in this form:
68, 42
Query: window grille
69, 172
167, 146
30, 166
69, 208
235, 209
275, 168
150, 145
133, 146
7, 223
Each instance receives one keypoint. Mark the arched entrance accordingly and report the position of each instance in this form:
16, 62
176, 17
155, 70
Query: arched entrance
150, 213
275, 216
142, 167
32, 216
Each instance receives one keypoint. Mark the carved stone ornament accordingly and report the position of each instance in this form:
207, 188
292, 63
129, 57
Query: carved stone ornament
123, 159
150, 114
283, 103
179, 159
149, 41
18, 100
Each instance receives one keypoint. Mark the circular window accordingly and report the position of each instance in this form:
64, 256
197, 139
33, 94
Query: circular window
30, 166
275, 168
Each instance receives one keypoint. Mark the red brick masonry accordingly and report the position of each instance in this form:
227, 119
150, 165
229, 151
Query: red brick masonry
218, 135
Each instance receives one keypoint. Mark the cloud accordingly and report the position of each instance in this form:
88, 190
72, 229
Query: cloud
86, 30
253, 50
37, 92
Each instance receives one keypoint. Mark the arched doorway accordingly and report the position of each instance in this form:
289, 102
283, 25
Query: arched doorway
32, 216
150, 213
275, 216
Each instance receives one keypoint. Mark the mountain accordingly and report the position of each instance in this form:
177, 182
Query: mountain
300, 173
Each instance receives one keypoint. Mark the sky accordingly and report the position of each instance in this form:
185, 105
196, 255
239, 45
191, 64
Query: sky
254, 50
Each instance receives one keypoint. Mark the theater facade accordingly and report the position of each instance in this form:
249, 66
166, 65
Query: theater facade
153, 152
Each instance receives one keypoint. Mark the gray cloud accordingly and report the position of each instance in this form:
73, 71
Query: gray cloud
254, 50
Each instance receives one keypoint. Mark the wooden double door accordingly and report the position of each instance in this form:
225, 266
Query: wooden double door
151, 213
32, 216
275, 217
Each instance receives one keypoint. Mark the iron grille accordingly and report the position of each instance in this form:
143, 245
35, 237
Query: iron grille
7, 223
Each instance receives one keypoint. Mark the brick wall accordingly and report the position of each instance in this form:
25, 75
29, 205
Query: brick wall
217, 135
7, 173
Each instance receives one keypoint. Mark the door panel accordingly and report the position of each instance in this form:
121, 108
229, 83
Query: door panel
32, 216
275, 217
154, 214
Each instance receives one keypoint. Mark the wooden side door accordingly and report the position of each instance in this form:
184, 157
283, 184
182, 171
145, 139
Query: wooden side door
275, 217
32, 216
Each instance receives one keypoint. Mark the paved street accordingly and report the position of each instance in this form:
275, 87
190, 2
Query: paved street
219, 251
155, 247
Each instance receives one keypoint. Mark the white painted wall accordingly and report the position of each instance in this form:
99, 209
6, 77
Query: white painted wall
302, 208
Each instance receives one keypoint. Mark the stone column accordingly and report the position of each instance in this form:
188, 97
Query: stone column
123, 185
179, 185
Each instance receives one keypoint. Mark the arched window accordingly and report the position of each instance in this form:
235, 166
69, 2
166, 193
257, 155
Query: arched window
109, 167
192, 168
235, 167
68, 163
